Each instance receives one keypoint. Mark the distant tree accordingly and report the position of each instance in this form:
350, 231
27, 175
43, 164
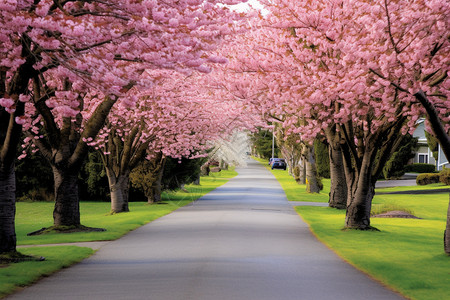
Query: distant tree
178, 172
93, 183
262, 143
147, 177
34, 178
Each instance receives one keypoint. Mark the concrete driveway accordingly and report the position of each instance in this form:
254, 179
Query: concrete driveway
241, 241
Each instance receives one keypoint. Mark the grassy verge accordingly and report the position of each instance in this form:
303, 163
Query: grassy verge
406, 255
35, 215
22, 274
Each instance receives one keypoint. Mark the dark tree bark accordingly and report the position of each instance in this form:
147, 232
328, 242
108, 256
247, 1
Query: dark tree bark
444, 139
7, 209
155, 190
67, 207
10, 136
338, 187
361, 195
363, 164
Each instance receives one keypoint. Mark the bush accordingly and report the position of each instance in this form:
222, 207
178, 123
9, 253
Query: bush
420, 168
427, 178
444, 176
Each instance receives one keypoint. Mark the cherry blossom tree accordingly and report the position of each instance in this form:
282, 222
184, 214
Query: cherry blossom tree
413, 43
59, 51
176, 117
319, 64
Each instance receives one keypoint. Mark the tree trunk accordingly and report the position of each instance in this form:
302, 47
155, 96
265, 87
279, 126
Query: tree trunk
302, 175
197, 180
154, 193
360, 199
7, 209
118, 187
312, 184
444, 139
338, 188
67, 202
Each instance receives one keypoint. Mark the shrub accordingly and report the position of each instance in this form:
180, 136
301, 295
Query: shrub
444, 176
420, 168
427, 178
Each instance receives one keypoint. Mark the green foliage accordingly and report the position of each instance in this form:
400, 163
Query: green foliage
181, 171
34, 178
322, 158
395, 166
93, 183
420, 168
444, 176
433, 144
262, 144
427, 178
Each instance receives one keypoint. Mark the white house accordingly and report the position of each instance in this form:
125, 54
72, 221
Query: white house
423, 153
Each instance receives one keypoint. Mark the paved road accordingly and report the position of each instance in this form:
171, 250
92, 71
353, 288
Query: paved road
242, 241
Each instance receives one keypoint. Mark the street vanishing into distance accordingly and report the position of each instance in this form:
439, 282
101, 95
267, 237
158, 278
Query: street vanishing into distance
242, 241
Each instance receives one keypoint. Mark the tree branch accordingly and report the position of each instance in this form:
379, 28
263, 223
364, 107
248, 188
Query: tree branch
435, 122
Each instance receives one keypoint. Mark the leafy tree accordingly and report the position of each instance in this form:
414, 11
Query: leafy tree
178, 172
57, 57
92, 179
34, 178
147, 177
262, 143
395, 166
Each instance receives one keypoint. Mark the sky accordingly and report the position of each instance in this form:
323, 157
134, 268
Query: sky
244, 6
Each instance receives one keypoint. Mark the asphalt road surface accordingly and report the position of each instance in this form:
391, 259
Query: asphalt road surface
241, 241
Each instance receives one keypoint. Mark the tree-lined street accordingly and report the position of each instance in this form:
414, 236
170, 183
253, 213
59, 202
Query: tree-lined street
241, 241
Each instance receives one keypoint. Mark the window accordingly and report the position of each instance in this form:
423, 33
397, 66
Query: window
423, 158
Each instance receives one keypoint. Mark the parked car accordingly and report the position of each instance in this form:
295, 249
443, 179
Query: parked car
278, 163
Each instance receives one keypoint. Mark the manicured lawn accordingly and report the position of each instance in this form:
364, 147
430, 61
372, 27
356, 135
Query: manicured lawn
22, 274
406, 254
33, 216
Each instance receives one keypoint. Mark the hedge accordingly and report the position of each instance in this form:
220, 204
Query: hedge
427, 178
420, 168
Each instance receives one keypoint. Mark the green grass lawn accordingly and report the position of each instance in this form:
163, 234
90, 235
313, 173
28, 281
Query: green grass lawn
22, 274
35, 215
406, 254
